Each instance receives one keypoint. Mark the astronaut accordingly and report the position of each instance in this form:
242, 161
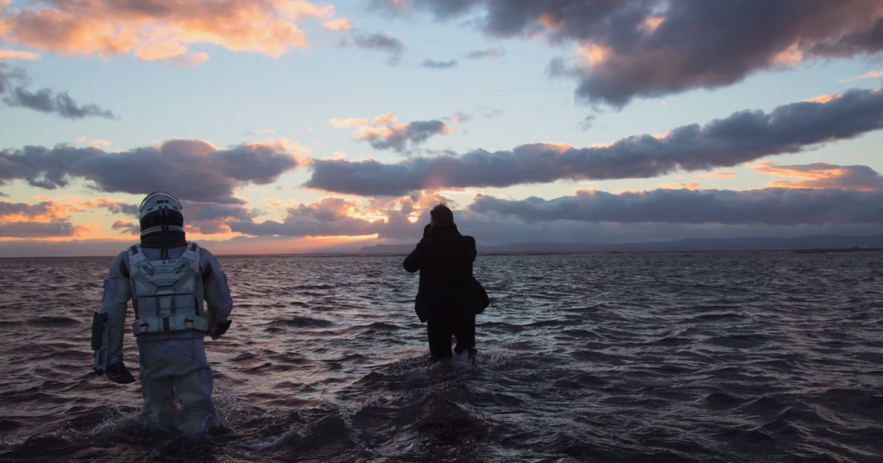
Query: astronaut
179, 296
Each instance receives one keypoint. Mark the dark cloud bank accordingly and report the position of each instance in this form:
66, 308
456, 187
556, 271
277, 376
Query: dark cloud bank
652, 48
192, 169
742, 137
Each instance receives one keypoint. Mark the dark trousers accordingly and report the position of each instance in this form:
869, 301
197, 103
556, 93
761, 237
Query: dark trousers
444, 324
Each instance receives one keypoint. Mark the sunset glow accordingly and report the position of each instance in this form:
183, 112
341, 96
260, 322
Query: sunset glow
288, 126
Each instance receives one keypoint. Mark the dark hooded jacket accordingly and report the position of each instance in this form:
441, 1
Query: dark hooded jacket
444, 259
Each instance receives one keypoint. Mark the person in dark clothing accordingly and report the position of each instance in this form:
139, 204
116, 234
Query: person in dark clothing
447, 299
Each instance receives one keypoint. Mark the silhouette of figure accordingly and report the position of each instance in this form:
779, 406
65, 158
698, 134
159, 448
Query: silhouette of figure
447, 299
168, 280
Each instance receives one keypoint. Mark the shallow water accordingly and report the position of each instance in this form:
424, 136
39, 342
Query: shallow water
693, 357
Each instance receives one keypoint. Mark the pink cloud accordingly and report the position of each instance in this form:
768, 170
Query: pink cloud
822, 175
680, 186
163, 30
824, 98
341, 24
19, 54
869, 75
715, 175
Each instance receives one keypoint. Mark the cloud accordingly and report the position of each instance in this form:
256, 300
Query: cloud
18, 54
680, 186
41, 220
3, 195
328, 217
590, 216
193, 169
869, 75
202, 218
570, 219
163, 30
432, 64
127, 228
14, 92
37, 229
386, 132
388, 218
376, 42
771, 207
652, 48
210, 218
460, 118
742, 137
485, 54
823, 98
717, 175
114, 206
100, 144
823, 175
42, 212
341, 24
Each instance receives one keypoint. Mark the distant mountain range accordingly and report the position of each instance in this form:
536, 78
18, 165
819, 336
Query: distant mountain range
713, 244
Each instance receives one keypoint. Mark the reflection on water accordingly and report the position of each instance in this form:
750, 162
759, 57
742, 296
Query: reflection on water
732, 357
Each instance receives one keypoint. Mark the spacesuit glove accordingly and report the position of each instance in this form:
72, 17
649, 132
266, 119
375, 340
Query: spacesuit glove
219, 328
119, 374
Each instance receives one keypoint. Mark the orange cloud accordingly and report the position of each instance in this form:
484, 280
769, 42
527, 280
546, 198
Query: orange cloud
98, 144
789, 56
869, 75
593, 54
45, 220
19, 54
713, 175
551, 22
822, 175
340, 155
164, 30
680, 186
824, 98
652, 23
341, 24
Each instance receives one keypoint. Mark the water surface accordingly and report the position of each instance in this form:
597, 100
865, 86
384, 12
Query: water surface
676, 357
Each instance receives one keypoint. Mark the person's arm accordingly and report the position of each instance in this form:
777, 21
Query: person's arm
113, 305
472, 249
412, 262
218, 301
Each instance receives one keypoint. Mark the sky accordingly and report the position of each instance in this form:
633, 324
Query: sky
290, 126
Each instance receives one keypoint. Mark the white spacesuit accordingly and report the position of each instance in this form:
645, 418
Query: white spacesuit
179, 296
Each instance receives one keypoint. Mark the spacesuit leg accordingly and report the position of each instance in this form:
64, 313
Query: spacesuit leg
194, 391
182, 364
156, 388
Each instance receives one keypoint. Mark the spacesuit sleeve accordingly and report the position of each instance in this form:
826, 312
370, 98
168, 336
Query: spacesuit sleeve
116, 297
218, 301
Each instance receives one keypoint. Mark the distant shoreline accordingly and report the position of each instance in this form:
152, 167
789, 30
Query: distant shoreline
824, 251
